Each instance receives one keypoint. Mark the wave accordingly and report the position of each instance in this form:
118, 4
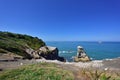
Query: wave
67, 51
108, 59
91, 58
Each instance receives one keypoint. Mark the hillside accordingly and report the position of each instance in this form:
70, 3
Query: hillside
17, 43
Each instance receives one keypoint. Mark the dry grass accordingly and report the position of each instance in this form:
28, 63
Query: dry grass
87, 74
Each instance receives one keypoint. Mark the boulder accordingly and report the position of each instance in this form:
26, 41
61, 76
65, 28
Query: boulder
50, 53
47, 52
81, 55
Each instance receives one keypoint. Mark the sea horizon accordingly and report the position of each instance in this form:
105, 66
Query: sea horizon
76, 41
94, 49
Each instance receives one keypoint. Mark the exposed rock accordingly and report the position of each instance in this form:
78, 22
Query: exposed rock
61, 59
19, 44
29, 51
50, 53
85, 59
25, 47
34, 54
47, 52
81, 55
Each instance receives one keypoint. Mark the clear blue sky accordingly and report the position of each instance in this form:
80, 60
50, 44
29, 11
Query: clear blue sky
62, 20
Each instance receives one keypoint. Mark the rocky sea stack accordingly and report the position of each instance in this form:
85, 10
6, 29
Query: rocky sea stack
14, 46
81, 55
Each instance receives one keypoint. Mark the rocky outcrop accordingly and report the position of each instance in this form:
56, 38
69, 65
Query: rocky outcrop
19, 44
27, 47
34, 54
47, 52
50, 53
81, 55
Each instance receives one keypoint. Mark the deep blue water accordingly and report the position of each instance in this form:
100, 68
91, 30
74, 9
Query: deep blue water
95, 50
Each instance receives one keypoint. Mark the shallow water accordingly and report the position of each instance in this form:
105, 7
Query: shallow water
95, 50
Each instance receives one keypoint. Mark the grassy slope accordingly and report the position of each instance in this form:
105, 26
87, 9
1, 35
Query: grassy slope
40, 71
51, 71
17, 43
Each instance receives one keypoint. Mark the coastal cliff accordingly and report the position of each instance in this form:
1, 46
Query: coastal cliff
14, 46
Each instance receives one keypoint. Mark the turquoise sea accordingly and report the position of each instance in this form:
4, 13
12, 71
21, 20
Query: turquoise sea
95, 50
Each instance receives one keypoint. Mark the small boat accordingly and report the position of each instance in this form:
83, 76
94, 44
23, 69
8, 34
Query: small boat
100, 42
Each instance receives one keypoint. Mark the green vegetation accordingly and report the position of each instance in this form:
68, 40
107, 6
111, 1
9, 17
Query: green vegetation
17, 43
40, 71
51, 71
98, 75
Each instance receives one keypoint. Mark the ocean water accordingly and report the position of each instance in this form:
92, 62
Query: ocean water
95, 50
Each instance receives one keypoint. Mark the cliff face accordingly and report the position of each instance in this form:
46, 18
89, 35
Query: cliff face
18, 43
23, 46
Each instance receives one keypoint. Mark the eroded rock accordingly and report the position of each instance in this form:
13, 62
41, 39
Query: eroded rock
33, 53
50, 53
47, 52
81, 55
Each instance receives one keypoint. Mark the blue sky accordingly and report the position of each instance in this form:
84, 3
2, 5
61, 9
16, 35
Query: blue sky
62, 20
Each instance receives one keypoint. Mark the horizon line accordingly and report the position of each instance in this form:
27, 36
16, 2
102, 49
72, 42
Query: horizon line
76, 41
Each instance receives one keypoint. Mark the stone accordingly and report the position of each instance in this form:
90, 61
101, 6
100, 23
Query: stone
85, 59
33, 54
81, 55
50, 53
61, 59
47, 52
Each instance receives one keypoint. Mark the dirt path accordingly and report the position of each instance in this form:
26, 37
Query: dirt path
10, 64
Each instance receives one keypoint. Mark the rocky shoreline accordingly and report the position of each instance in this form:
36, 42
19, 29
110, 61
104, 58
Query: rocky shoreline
112, 64
50, 54
17, 50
